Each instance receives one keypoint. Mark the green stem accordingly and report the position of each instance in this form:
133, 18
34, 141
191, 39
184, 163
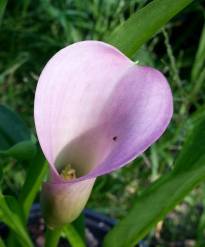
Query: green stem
52, 237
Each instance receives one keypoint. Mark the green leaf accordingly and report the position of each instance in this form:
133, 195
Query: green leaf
164, 194
2, 243
70, 233
10, 214
194, 147
142, 25
36, 173
12, 128
24, 150
3, 4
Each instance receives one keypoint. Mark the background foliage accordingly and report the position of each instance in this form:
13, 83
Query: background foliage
32, 31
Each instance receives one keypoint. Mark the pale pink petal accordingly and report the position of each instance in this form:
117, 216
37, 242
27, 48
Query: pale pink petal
97, 110
136, 115
72, 91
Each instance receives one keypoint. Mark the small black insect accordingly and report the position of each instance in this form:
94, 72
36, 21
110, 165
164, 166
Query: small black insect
114, 138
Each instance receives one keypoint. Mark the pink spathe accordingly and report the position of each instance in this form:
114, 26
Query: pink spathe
97, 110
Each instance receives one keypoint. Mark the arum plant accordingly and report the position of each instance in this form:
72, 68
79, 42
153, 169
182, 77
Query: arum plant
95, 111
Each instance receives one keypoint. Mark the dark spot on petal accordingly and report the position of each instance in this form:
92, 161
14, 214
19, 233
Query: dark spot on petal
114, 138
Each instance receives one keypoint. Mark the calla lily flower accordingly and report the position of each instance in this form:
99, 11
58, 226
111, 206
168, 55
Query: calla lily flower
95, 111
